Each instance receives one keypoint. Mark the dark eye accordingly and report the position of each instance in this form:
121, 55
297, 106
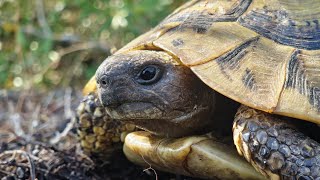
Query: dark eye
149, 75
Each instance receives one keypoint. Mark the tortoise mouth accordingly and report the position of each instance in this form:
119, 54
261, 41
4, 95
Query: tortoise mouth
132, 110
168, 122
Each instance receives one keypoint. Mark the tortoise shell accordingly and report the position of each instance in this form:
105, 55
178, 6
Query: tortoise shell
262, 53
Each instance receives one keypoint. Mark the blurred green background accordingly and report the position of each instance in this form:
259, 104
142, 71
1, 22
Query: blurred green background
46, 44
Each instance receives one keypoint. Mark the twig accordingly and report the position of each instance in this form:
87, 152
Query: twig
149, 168
35, 119
74, 48
83, 46
68, 114
31, 164
67, 103
6, 173
48, 100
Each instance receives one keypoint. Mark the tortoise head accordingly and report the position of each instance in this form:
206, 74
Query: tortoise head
155, 92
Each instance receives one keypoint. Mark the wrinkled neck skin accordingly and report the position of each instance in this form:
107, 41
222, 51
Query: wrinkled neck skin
177, 104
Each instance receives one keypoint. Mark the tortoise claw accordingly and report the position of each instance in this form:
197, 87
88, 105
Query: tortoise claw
275, 147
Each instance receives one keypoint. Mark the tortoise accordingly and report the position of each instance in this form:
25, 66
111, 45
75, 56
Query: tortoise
252, 66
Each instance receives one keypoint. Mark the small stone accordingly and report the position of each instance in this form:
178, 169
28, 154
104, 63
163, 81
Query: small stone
272, 143
285, 150
253, 126
20, 173
264, 151
9, 178
295, 149
262, 136
35, 152
246, 136
276, 161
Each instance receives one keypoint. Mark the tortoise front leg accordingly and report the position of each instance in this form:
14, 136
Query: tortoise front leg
275, 147
99, 135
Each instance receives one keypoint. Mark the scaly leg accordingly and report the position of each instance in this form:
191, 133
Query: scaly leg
275, 147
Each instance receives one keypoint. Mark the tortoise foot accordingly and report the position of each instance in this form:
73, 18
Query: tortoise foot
274, 146
99, 135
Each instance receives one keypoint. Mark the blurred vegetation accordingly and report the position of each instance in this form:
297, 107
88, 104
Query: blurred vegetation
50, 43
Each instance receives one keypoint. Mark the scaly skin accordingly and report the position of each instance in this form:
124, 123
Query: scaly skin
275, 147
99, 135
193, 155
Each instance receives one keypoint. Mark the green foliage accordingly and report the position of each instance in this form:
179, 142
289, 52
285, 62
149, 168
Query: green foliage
48, 43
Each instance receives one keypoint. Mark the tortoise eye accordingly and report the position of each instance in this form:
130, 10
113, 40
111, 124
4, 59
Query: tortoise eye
149, 75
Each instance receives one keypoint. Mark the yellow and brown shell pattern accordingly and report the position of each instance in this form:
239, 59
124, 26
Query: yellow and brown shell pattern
262, 53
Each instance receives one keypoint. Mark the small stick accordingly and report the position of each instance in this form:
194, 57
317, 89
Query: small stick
149, 168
